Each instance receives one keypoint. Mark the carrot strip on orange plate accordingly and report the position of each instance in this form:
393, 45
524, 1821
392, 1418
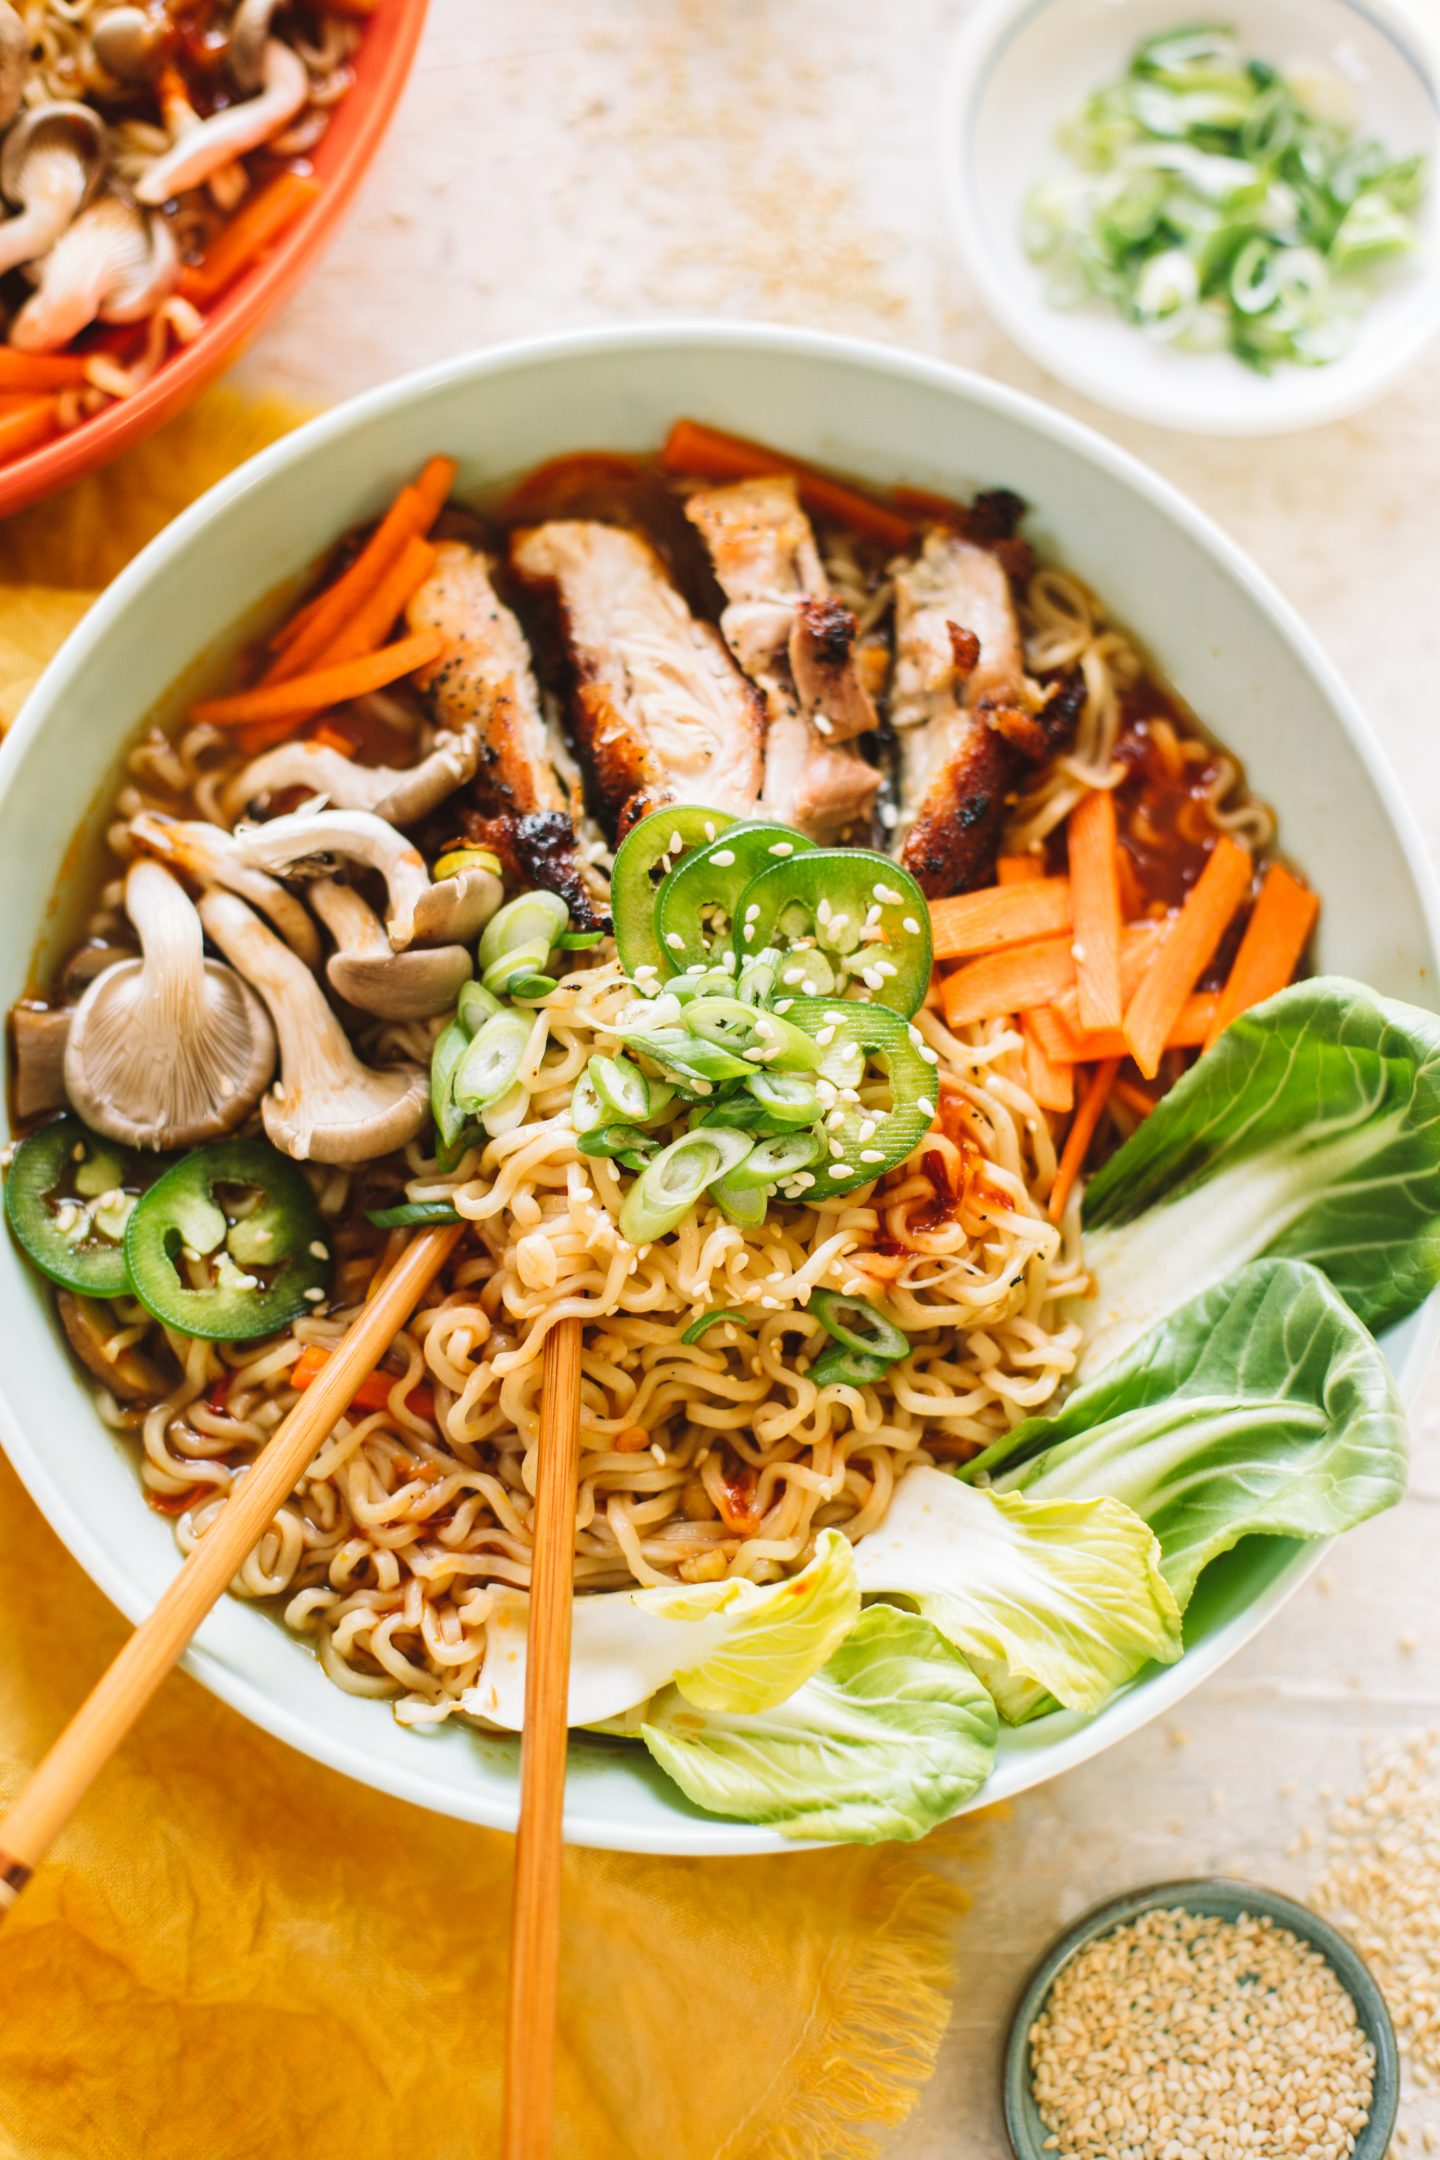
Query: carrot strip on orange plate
1275, 936
333, 738
1081, 1133
976, 922
40, 371
27, 428
242, 241
1186, 949
1007, 982
409, 517
707, 453
1095, 889
374, 1391
327, 686
1051, 1084
1188, 1032
1018, 869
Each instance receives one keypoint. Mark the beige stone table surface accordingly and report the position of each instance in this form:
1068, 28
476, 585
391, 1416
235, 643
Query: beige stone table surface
559, 162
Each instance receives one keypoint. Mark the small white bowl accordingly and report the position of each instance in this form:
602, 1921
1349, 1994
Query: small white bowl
1020, 67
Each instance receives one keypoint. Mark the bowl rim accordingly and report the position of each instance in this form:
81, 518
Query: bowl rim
240, 313
1229, 1896
354, 418
963, 79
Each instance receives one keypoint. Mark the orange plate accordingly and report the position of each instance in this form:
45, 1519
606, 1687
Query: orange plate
340, 160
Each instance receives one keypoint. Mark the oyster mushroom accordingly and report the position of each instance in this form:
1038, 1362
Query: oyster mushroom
14, 62
131, 44
112, 262
100, 1343
401, 795
367, 972
50, 166
216, 142
38, 1035
309, 843
208, 855
249, 36
170, 1049
326, 1106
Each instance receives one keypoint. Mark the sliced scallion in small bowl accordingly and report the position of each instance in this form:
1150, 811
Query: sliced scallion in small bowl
1219, 204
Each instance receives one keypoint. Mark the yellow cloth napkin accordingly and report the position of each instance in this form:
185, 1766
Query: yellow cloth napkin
234, 1954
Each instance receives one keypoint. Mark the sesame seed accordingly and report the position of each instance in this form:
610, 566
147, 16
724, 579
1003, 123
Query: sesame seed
889, 816
839, 1169
825, 1036
676, 844
709, 828
871, 1154
930, 1056
1184, 2033
783, 1005
318, 1251
822, 725
674, 940
311, 1297
912, 926
822, 913
925, 1106
782, 847
883, 892
1381, 1884
723, 857
749, 933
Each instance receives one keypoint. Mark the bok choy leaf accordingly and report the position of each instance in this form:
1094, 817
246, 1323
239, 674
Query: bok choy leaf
1064, 1593
1262, 1406
731, 1645
888, 1739
1311, 1128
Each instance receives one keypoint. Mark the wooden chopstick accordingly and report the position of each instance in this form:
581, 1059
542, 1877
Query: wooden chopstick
60, 1782
529, 2122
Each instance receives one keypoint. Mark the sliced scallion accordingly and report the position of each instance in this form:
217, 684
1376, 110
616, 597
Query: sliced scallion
668, 1188
699, 1329
490, 1063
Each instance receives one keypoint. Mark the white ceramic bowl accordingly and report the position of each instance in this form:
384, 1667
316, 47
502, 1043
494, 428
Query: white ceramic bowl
1226, 639
1020, 67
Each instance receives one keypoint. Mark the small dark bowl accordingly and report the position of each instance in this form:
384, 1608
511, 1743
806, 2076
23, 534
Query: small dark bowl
1212, 1894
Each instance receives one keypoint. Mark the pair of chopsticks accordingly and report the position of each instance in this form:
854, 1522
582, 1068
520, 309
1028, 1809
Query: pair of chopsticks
115, 1704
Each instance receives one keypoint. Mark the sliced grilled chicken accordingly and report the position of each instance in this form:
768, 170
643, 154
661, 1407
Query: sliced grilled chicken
962, 707
660, 711
525, 795
797, 644
486, 680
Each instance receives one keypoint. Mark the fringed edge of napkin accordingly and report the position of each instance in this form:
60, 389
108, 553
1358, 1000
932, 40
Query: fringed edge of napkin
872, 2050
